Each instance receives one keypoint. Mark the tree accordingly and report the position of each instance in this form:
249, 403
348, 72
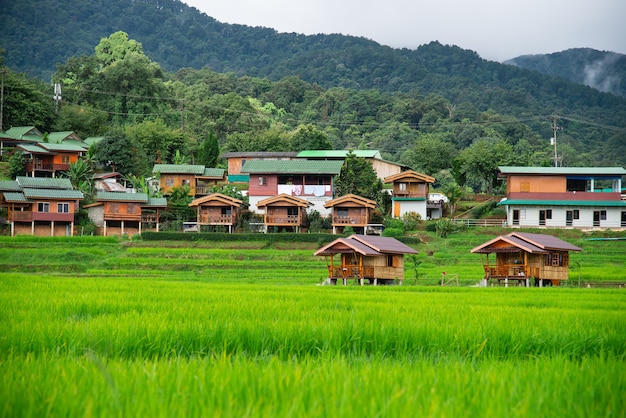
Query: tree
80, 175
209, 151
118, 152
308, 137
17, 165
357, 176
480, 162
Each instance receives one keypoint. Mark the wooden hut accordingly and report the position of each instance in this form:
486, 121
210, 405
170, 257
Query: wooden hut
218, 210
522, 257
350, 210
284, 211
379, 260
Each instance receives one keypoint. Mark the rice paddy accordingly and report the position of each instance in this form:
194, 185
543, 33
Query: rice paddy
137, 329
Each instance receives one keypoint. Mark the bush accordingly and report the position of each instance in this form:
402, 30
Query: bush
393, 232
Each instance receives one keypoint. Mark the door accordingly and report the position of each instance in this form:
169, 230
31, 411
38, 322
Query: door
515, 216
596, 218
569, 218
623, 223
396, 209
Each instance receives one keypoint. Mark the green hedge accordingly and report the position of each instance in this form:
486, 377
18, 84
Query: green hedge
282, 237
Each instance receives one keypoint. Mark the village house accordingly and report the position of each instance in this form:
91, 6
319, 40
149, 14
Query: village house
410, 195
18, 135
379, 260
47, 159
351, 210
40, 206
283, 212
526, 259
218, 210
199, 178
305, 179
119, 213
236, 160
576, 197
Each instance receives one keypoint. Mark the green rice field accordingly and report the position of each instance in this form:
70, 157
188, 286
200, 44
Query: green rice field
112, 328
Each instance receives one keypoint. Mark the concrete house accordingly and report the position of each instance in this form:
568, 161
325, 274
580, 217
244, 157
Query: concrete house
304, 179
574, 197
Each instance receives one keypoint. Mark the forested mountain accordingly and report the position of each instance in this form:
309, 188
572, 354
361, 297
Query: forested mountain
602, 70
169, 78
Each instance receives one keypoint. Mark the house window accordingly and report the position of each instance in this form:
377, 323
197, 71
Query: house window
557, 260
226, 211
391, 261
402, 187
43, 207
262, 181
65, 159
292, 211
342, 212
549, 214
63, 207
576, 214
524, 187
186, 182
169, 181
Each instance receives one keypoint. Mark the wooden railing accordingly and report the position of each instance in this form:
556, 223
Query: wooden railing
218, 220
283, 219
349, 220
481, 222
21, 216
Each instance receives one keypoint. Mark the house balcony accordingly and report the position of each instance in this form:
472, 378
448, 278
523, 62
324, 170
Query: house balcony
203, 190
408, 194
122, 217
37, 166
218, 220
41, 216
350, 220
282, 220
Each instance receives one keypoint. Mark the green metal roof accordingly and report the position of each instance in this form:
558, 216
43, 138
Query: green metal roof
338, 153
597, 203
10, 186
44, 183
293, 167
58, 137
213, 172
155, 202
121, 197
52, 194
18, 132
178, 169
13, 197
586, 171
33, 148
93, 140
62, 147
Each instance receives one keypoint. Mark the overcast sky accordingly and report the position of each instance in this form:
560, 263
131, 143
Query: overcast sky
496, 29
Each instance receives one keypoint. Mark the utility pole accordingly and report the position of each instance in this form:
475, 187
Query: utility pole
2, 99
555, 128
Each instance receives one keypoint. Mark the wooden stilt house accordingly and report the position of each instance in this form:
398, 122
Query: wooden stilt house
379, 260
218, 210
284, 211
350, 210
526, 259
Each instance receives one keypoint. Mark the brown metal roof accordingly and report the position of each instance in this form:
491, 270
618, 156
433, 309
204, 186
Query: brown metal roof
369, 245
522, 241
